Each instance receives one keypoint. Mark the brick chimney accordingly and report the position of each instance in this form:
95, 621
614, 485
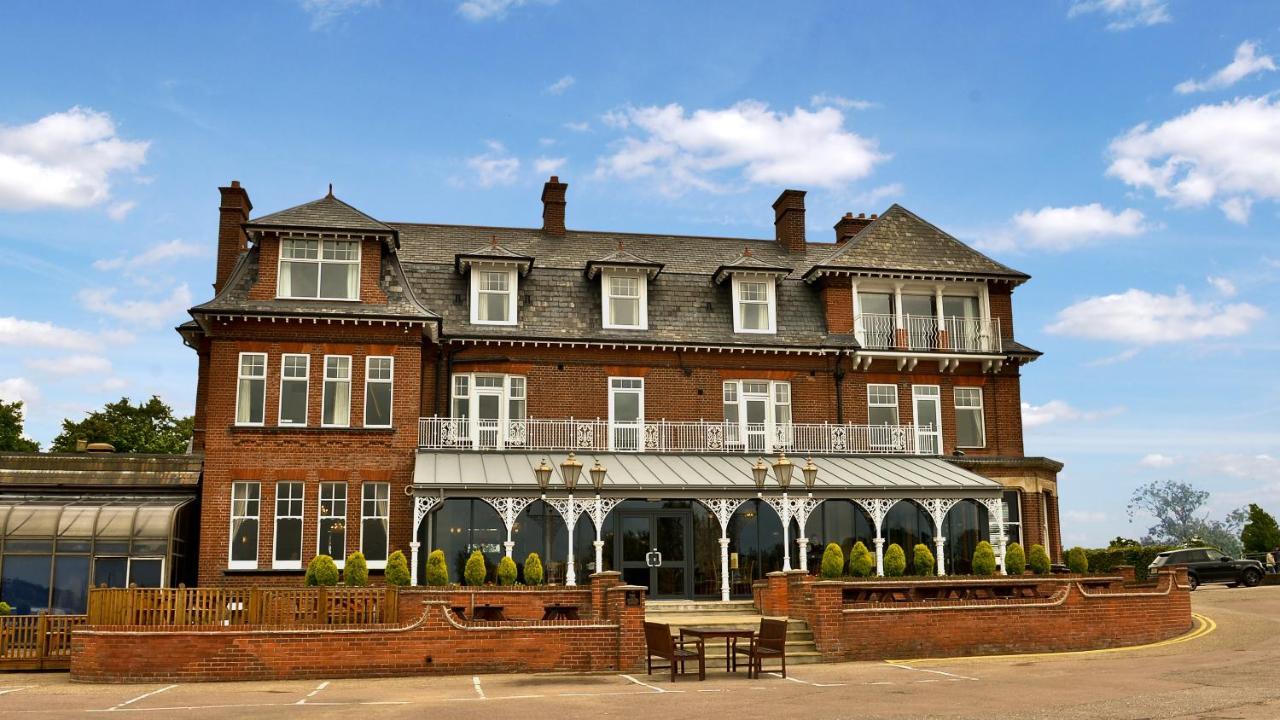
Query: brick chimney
788, 220
232, 213
553, 206
848, 226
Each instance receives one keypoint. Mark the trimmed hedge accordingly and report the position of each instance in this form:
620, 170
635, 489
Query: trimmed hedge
5, 609
832, 562
322, 570
356, 571
895, 561
437, 572
475, 571
1139, 556
923, 562
506, 571
533, 569
984, 559
398, 570
1077, 560
1038, 560
1015, 560
861, 562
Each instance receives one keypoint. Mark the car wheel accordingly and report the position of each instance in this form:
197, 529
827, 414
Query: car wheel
1252, 578
1193, 581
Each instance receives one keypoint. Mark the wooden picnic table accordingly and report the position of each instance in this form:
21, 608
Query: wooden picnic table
559, 611
730, 636
489, 612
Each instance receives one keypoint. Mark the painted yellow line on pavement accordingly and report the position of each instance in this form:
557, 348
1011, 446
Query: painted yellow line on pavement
1204, 626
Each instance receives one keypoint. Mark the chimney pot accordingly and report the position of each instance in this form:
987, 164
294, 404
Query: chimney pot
553, 204
862, 215
788, 220
233, 213
848, 226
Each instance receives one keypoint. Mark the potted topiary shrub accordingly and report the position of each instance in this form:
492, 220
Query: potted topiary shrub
1015, 560
356, 571
5, 609
437, 571
506, 571
1077, 561
533, 570
922, 561
474, 571
832, 562
397, 572
895, 561
322, 570
1038, 561
984, 559
861, 562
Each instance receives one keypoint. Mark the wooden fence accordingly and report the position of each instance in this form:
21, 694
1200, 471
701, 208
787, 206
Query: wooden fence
285, 607
37, 642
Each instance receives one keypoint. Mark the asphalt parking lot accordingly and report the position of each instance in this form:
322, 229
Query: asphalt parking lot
1225, 669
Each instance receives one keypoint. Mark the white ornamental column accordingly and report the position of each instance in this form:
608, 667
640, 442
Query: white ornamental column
599, 511
938, 543
877, 508
509, 508
723, 509
803, 541
422, 505
793, 508
879, 553
570, 509
938, 509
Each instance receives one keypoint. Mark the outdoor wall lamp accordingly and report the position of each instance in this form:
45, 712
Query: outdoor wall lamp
543, 474
598, 472
570, 471
782, 470
759, 473
810, 474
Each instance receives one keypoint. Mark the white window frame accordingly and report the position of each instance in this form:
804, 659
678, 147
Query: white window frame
386, 551
615, 389
507, 393
306, 395
513, 291
771, 295
390, 381
933, 392
982, 414
325, 381
240, 377
321, 517
737, 433
275, 525
320, 261
231, 525
642, 296
897, 289
872, 402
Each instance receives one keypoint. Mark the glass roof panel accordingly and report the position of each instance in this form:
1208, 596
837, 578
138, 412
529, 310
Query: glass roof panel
33, 521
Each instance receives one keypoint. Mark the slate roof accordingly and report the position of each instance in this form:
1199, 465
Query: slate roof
622, 258
328, 213
900, 240
493, 252
747, 262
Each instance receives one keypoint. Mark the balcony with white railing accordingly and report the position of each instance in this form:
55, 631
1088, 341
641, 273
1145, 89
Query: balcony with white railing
662, 436
878, 331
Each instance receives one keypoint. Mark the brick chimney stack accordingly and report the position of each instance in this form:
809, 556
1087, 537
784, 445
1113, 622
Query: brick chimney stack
553, 203
848, 226
788, 220
232, 213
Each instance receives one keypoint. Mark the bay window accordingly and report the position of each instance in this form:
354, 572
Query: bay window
294, 381
288, 535
378, 379
319, 270
375, 515
331, 534
245, 500
336, 406
251, 389
970, 424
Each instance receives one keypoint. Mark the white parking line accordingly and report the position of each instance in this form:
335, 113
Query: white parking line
654, 688
794, 679
319, 687
936, 672
7, 690
475, 682
141, 697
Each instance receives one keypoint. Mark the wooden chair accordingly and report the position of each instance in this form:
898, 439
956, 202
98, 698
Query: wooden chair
770, 642
660, 644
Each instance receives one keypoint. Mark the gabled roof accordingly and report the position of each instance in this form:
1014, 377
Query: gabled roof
901, 242
622, 259
746, 262
327, 213
493, 252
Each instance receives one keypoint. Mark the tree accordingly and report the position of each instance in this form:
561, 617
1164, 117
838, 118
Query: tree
473, 573
1038, 559
397, 572
1260, 533
923, 562
11, 439
1077, 561
1178, 510
355, 573
533, 569
506, 571
437, 571
984, 559
322, 570
1015, 559
832, 562
1123, 542
861, 562
895, 561
148, 427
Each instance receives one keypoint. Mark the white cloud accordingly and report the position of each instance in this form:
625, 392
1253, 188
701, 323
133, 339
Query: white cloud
1083, 517
558, 87
495, 167
113, 384
29, 333
64, 160
478, 10
873, 197
544, 165
580, 127
695, 150
546, 142
1065, 228
72, 365
1224, 286
1228, 152
1156, 460
1120, 357
823, 100
1056, 411
19, 388
119, 211
1245, 63
172, 250
1143, 318
324, 12
1125, 14
143, 313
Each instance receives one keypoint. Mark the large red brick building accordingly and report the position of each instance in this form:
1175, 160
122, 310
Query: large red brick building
374, 385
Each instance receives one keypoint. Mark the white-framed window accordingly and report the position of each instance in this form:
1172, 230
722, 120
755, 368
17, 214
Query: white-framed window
626, 413
757, 414
245, 501
375, 519
251, 389
336, 406
485, 406
493, 296
331, 533
287, 554
754, 307
379, 374
926, 403
1011, 516
625, 300
319, 270
295, 371
461, 396
971, 429
882, 404
516, 400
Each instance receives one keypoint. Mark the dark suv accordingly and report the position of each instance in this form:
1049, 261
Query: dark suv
1206, 565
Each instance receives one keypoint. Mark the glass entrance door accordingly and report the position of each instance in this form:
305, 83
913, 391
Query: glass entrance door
654, 552
757, 415
928, 414
488, 418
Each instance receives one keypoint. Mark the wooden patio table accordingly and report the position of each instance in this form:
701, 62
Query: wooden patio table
730, 636
558, 611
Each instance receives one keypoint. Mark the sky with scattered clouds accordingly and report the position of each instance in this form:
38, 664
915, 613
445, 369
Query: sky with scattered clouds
1126, 153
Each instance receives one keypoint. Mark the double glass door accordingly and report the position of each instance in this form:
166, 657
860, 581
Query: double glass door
654, 552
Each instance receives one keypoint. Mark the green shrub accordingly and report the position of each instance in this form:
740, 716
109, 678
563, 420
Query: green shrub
923, 562
1038, 560
1077, 560
506, 571
474, 571
5, 609
355, 573
437, 572
1139, 556
895, 561
984, 559
533, 570
321, 571
397, 572
1015, 560
832, 562
861, 562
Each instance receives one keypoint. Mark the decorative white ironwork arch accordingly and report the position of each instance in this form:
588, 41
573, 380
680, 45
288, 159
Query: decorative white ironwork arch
723, 509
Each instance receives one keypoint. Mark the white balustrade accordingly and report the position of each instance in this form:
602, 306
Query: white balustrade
879, 331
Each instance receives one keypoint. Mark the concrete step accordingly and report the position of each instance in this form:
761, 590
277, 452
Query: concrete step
691, 606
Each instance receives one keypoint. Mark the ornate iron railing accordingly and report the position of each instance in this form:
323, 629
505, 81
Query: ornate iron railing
878, 331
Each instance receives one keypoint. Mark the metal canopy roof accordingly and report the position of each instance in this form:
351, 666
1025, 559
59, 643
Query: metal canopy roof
695, 474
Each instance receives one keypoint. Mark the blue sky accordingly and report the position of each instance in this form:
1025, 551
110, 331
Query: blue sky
1126, 153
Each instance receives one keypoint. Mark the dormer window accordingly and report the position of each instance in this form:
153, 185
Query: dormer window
319, 270
493, 296
625, 300
754, 305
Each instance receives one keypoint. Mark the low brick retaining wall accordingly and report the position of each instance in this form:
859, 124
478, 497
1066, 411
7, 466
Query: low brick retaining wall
435, 641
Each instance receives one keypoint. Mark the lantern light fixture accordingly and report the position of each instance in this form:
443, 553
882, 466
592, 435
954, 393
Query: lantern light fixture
543, 474
782, 471
810, 474
760, 473
570, 471
598, 473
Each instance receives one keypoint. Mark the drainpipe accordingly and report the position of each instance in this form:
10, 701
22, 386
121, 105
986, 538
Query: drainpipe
838, 377
442, 397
